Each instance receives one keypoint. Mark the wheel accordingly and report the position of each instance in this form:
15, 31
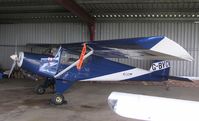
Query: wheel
58, 99
40, 90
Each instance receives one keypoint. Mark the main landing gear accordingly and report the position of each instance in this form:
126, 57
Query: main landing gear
41, 89
59, 86
58, 99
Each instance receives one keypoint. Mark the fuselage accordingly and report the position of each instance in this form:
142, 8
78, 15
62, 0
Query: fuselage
94, 68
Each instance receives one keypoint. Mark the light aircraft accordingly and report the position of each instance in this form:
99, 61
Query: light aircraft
90, 62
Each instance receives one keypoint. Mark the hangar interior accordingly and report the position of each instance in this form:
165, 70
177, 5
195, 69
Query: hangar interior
46, 21
25, 22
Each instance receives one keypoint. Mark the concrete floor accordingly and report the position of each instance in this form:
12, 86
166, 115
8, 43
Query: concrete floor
86, 101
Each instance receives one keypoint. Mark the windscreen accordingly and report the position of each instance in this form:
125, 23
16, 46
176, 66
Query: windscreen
68, 58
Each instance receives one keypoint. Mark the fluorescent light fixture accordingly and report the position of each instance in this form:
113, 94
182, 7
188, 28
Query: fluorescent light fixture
196, 22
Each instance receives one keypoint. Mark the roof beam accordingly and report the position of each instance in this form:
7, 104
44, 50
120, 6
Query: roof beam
77, 10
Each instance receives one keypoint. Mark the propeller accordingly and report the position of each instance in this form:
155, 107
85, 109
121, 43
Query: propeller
15, 59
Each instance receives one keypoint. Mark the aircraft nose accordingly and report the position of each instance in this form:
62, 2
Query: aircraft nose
18, 59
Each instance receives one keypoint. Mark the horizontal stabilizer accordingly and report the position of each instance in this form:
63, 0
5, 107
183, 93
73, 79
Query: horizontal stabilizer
180, 78
193, 78
184, 78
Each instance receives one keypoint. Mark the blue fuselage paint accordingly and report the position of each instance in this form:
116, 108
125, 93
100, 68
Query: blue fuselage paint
94, 66
160, 75
32, 63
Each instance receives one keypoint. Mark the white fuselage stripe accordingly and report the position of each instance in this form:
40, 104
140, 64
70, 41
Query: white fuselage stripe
123, 75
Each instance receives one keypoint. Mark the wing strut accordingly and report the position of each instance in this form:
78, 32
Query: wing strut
75, 63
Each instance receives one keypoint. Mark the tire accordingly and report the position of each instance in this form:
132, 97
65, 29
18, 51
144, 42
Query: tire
40, 90
58, 99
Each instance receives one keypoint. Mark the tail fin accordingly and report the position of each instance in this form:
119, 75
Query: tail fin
160, 70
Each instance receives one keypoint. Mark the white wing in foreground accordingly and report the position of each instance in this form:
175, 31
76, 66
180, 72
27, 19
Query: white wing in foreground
150, 108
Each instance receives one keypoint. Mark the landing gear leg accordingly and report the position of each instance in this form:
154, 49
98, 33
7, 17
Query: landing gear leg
60, 87
41, 89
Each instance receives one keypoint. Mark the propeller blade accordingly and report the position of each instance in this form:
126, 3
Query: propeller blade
14, 57
12, 68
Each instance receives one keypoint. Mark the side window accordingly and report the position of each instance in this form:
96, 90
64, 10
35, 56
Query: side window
67, 58
63, 59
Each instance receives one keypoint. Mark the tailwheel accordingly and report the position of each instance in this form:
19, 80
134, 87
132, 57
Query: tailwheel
40, 90
58, 99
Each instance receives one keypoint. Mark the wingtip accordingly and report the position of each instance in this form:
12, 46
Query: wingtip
191, 59
173, 49
187, 57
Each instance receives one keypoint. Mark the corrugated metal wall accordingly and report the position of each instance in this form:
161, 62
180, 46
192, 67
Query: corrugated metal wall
184, 33
10, 34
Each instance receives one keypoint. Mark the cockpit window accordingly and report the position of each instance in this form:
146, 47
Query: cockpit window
54, 51
68, 58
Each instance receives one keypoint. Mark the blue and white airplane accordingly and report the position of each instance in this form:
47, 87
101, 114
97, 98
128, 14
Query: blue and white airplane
90, 62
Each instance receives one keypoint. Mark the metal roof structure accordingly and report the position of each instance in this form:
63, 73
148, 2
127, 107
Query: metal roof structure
20, 11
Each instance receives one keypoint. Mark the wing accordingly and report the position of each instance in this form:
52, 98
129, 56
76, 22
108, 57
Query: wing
152, 48
152, 108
